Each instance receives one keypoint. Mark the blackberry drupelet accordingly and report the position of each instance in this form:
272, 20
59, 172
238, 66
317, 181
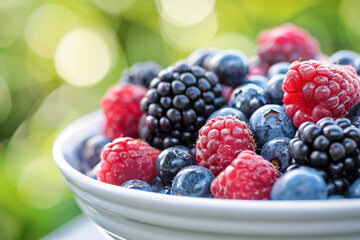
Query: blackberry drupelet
178, 103
141, 73
332, 147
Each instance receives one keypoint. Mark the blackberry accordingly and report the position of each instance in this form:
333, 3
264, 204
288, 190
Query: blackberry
178, 103
140, 73
332, 147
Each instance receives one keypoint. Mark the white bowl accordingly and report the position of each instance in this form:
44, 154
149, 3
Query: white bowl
133, 214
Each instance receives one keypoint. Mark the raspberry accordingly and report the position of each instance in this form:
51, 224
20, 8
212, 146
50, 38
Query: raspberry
315, 90
286, 43
220, 141
121, 106
126, 159
249, 176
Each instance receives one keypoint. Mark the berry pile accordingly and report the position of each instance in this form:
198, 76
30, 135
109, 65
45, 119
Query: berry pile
285, 126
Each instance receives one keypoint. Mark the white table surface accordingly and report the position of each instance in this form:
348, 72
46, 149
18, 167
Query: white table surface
80, 228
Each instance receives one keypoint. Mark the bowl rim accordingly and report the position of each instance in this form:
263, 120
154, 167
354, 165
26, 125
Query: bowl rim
289, 206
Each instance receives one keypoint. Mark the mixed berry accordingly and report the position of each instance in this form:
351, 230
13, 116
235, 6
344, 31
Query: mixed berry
285, 126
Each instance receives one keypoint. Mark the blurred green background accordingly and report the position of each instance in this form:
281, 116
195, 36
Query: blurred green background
57, 59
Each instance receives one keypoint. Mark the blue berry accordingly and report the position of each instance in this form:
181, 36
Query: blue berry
273, 89
171, 161
278, 68
137, 185
259, 80
354, 190
276, 151
156, 184
303, 183
336, 196
140, 73
90, 151
271, 121
248, 98
344, 57
165, 190
193, 181
231, 67
201, 57
229, 111
357, 65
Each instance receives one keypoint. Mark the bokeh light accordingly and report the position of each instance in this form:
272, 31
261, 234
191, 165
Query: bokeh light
190, 37
114, 6
84, 57
11, 4
184, 12
10, 26
46, 26
30, 166
233, 40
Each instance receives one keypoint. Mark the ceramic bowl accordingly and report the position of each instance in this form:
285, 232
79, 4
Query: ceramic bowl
132, 214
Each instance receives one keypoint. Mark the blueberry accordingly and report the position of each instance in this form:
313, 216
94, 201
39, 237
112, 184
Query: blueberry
273, 89
303, 183
248, 98
201, 57
156, 184
271, 121
193, 181
354, 111
344, 57
259, 80
165, 190
276, 151
278, 68
171, 161
229, 111
354, 190
357, 65
90, 151
231, 67
336, 196
137, 185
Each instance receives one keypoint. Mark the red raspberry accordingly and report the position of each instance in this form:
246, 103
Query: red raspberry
286, 43
226, 91
315, 90
249, 176
126, 159
121, 106
220, 141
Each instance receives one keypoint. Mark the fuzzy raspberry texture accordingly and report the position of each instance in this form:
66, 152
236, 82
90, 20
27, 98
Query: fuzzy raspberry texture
220, 141
249, 176
315, 90
121, 106
126, 159
286, 43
